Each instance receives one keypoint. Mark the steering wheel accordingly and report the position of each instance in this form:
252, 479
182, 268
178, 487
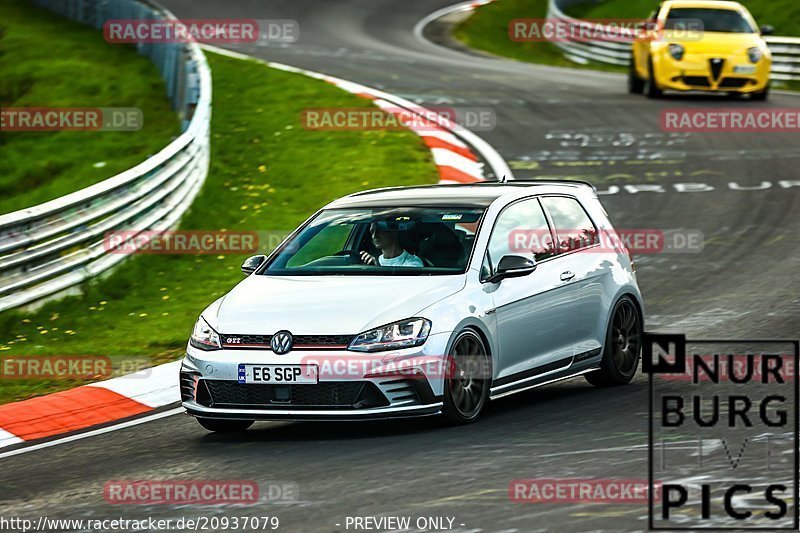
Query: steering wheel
353, 256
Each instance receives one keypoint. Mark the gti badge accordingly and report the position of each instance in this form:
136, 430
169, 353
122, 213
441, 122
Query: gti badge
281, 342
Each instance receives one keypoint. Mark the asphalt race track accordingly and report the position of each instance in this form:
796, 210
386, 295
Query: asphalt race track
549, 122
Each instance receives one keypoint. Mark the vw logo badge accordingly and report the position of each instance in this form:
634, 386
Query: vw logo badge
281, 342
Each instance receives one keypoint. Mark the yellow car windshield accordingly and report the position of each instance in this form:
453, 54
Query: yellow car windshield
717, 20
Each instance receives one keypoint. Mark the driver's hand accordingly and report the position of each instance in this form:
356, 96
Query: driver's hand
368, 259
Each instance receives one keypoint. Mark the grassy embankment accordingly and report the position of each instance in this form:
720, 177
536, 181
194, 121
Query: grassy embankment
49, 61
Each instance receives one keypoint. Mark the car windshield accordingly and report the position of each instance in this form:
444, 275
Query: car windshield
718, 20
380, 241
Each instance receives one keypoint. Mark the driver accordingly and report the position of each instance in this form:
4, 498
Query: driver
385, 238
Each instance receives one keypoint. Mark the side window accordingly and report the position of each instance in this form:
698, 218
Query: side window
520, 229
574, 229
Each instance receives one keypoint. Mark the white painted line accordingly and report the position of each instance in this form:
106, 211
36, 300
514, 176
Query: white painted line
226, 52
443, 135
383, 104
349, 86
109, 429
7, 439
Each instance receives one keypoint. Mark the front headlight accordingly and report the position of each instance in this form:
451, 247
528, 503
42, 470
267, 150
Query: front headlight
755, 54
676, 51
403, 334
204, 337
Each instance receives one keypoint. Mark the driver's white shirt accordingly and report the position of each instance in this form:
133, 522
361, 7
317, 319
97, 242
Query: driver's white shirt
405, 259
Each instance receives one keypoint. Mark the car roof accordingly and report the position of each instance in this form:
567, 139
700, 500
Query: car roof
707, 4
480, 194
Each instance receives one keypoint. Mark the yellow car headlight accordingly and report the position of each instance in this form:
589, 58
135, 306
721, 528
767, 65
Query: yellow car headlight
676, 51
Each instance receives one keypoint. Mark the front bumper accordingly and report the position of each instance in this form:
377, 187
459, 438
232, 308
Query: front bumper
351, 385
694, 73
200, 411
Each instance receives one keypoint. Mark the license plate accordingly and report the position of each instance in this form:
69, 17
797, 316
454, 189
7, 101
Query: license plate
744, 69
278, 374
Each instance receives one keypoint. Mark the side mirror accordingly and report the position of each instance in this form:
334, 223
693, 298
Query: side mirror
513, 266
252, 263
766, 29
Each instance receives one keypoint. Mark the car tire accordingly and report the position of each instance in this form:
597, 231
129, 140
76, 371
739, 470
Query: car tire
652, 85
761, 95
225, 426
635, 83
465, 395
623, 345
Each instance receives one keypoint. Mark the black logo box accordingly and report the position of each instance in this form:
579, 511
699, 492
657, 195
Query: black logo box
678, 365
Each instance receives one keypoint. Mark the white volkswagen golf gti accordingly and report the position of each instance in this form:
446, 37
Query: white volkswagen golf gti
420, 301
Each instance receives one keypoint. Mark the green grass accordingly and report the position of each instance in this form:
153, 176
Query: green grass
267, 173
784, 15
487, 28
49, 61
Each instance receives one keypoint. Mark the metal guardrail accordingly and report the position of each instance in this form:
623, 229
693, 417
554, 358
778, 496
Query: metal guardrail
57, 245
785, 50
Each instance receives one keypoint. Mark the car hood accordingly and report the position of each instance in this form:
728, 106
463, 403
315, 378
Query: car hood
325, 305
714, 42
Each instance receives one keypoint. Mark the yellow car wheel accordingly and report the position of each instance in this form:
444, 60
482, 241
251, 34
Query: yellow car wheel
652, 84
761, 95
635, 83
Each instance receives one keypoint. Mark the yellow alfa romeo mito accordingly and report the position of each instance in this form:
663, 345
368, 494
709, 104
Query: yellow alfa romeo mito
701, 45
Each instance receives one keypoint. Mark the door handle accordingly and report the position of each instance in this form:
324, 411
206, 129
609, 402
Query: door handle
566, 276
